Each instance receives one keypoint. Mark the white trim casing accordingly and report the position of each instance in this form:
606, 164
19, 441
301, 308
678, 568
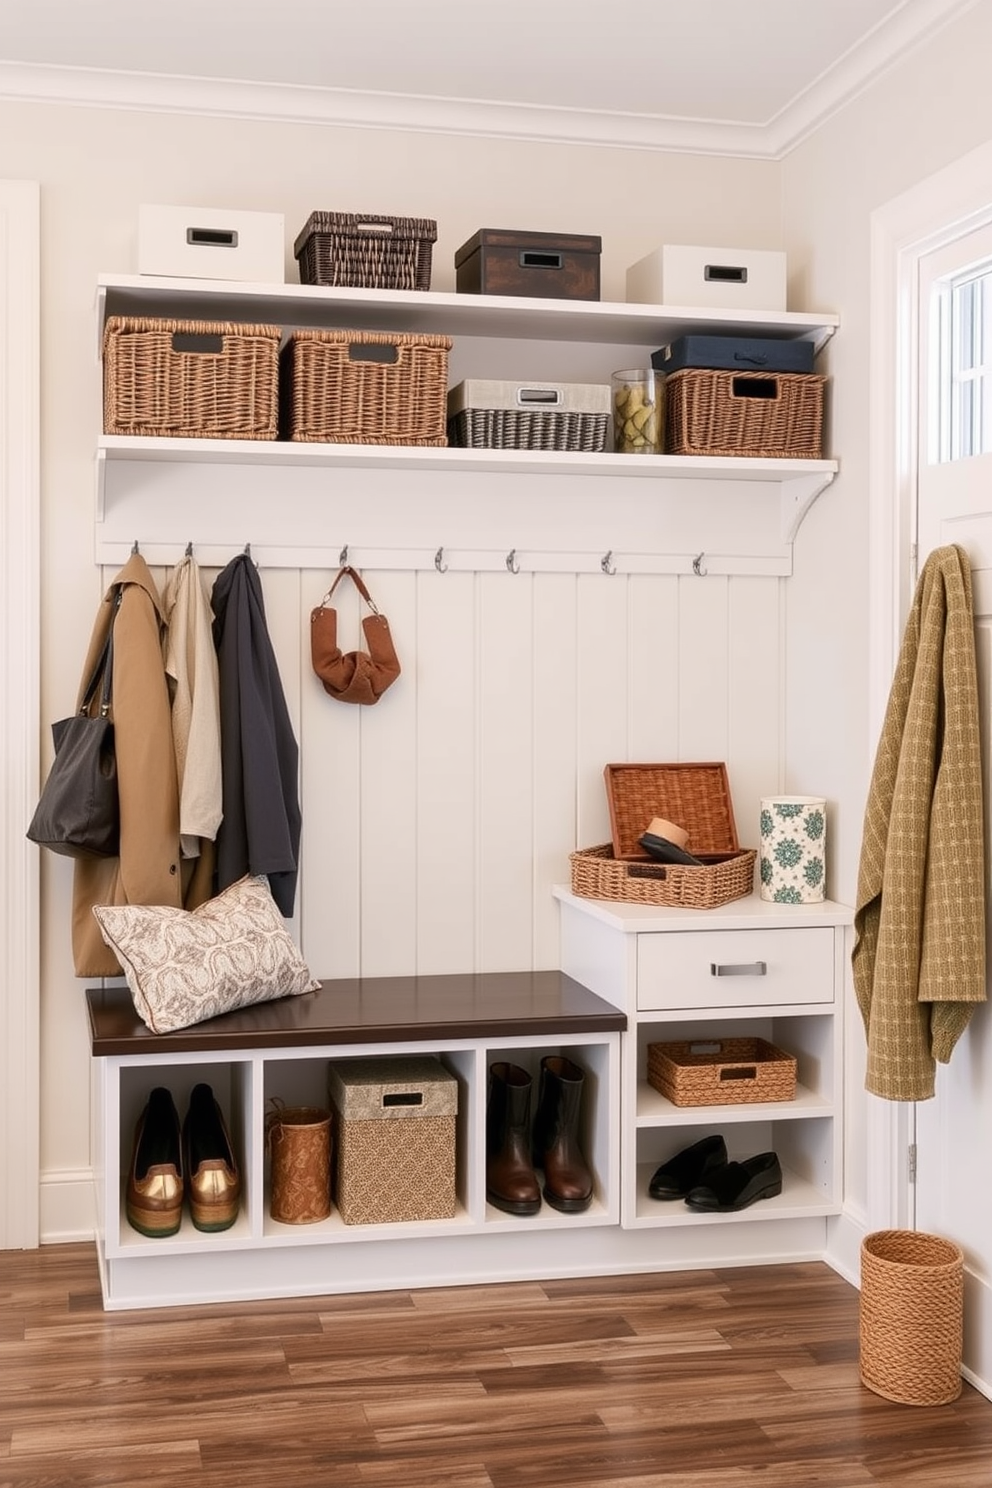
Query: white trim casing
19, 666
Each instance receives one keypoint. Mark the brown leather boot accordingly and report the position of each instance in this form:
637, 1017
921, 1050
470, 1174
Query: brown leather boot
567, 1179
511, 1183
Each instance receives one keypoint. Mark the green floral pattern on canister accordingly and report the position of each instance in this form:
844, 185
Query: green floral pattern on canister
792, 858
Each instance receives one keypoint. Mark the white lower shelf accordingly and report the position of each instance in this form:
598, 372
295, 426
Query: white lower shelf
799, 1199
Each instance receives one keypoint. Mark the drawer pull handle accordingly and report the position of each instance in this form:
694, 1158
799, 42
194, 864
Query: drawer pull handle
753, 968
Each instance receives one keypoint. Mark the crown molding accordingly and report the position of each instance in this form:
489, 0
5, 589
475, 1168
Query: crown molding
904, 30
894, 38
348, 108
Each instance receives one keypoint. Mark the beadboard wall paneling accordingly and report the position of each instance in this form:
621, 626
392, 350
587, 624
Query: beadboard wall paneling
436, 822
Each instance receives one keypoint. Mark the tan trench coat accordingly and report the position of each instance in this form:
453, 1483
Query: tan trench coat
148, 870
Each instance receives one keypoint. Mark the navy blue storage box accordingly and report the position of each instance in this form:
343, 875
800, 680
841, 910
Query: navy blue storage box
735, 354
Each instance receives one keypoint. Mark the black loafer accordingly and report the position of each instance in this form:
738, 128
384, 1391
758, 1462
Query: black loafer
738, 1184
664, 851
688, 1168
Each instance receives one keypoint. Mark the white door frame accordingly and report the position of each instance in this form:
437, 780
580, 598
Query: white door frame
945, 206
20, 625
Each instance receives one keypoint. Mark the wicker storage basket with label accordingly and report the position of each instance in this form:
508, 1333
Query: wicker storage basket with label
394, 1139
721, 1072
190, 379
767, 415
365, 387
366, 252
697, 797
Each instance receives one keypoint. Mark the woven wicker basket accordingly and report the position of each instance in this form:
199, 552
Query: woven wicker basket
190, 379
697, 797
369, 252
911, 1317
721, 1072
762, 414
365, 387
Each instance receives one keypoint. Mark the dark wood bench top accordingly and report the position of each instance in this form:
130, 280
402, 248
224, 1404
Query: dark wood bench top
362, 1010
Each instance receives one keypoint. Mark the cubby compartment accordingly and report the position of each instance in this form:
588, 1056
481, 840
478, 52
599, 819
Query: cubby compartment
598, 1127
231, 1083
806, 1151
303, 1081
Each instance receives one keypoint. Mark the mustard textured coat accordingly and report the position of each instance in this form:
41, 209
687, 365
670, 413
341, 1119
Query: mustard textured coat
919, 955
148, 870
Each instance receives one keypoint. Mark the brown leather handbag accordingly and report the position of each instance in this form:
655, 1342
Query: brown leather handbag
352, 676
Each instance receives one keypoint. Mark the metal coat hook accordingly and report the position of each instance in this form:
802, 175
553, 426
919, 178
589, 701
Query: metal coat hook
606, 563
135, 548
189, 550
247, 549
697, 566
511, 562
343, 557
439, 562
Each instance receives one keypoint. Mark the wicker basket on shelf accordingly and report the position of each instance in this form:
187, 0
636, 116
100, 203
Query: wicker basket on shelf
190, 379
697, 797
721, 1072
365, 387
366, 252
765, 415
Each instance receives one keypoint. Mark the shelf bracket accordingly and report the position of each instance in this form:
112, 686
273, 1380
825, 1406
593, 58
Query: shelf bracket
798, 494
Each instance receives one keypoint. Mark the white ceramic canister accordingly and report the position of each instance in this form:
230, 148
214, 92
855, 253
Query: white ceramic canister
792, 859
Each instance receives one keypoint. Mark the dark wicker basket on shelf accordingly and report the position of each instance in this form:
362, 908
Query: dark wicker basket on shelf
765, 415
366, 252
721, 1072
190, 379
365, 387
697, 797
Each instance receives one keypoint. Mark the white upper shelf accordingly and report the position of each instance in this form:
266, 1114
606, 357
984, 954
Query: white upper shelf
508, 316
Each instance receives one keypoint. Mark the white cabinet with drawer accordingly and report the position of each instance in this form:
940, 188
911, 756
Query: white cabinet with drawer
748, 970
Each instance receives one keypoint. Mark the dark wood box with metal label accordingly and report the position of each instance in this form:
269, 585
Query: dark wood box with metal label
552, 266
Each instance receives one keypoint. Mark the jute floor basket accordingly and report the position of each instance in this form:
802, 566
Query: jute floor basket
911, 1317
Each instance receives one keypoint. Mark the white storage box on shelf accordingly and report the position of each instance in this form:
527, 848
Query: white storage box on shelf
724, 278
212, 243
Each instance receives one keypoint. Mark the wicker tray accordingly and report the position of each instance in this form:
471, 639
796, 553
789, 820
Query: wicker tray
190, 379
365, 387
366, 252
721, 1072
766, 415
697, 797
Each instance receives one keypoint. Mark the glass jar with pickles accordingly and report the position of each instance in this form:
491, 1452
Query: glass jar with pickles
638, 412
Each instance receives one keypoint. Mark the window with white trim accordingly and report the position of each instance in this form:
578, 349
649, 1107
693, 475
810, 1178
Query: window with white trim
961, 368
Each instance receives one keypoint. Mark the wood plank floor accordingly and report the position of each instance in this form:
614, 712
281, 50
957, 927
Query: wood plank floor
741, 1378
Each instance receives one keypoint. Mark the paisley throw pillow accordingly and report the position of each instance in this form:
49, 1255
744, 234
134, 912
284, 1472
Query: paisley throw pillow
184, 966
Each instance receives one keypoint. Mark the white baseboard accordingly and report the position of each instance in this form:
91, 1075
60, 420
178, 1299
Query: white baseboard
845, 1233
66, 1205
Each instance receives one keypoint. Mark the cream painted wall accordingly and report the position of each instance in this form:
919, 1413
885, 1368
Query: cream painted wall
926, 113
95, 167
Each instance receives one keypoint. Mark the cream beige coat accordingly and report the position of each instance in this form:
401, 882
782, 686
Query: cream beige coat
148, 870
